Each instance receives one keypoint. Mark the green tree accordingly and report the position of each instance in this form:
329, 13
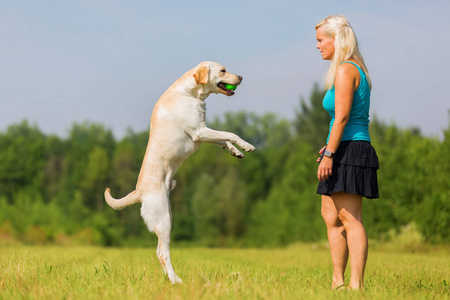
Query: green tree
86, 144
22, 158
53, 169
95, 176
123, 175
205, 211
312, 120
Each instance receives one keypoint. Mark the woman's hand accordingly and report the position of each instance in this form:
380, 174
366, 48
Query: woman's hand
325, 168
320, 152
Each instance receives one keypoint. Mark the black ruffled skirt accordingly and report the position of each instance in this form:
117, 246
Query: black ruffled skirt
355, 166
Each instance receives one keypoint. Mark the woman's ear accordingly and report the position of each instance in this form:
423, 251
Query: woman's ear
201, 75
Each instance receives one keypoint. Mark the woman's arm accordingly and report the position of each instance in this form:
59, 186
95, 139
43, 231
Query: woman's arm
345, 85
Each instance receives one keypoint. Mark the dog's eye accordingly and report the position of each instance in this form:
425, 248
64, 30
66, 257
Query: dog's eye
223, 71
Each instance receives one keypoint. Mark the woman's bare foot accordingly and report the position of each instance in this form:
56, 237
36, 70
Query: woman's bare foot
337, 286
355, 287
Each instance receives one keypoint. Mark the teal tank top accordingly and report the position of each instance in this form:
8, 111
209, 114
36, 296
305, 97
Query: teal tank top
357, 128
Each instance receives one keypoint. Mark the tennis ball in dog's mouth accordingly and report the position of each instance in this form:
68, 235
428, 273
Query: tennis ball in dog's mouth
230, 86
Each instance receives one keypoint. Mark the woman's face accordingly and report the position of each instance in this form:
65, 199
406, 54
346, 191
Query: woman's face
325, 44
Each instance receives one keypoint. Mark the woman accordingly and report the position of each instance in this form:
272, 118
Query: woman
348, 163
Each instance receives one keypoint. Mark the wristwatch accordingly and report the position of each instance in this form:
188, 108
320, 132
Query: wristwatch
328, 153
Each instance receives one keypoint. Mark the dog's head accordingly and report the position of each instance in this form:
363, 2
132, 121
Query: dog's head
213, 77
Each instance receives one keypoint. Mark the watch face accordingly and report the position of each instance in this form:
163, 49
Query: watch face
328, 153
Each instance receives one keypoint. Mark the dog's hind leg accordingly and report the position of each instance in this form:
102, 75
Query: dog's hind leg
163, 254
159, 254
156, 213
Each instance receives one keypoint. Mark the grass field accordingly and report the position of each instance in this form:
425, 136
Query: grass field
300, 271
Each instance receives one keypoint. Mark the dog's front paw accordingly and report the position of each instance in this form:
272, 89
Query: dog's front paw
233, 150
237, 154
247, 147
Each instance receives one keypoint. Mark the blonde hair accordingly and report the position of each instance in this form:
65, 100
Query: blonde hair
345, 46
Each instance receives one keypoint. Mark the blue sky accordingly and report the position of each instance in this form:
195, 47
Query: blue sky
109, 61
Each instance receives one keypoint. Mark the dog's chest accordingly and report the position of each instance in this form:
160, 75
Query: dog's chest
187, 148
184, 114
172, 130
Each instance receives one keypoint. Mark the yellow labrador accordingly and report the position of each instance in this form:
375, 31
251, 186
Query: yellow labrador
177, 129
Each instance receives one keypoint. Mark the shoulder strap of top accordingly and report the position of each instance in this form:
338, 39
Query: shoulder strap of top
361, 73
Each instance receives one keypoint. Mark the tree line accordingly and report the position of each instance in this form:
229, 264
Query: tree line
51, 188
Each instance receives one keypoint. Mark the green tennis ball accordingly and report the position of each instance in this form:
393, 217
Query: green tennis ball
230, 86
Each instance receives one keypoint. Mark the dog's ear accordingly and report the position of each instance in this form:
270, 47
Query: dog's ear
201, 75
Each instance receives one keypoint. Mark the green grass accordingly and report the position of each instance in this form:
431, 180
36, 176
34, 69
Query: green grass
297, 272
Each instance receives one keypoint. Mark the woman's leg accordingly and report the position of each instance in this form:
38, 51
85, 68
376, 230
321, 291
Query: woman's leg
349, 208
337, 240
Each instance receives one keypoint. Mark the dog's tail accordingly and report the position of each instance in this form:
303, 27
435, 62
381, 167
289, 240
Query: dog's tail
119, 204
